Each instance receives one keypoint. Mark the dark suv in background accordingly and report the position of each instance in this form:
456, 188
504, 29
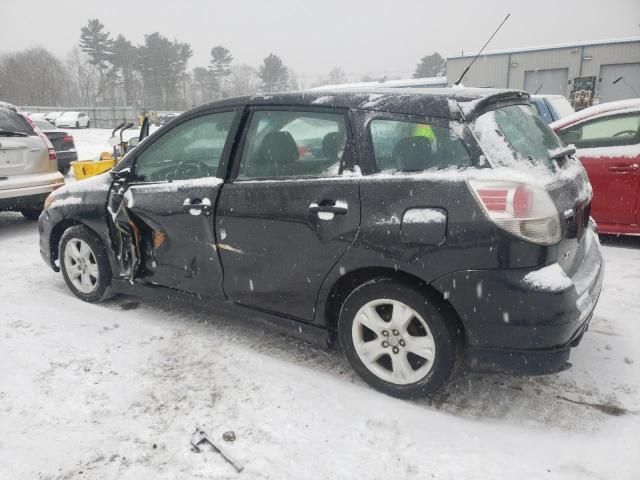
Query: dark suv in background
416, 228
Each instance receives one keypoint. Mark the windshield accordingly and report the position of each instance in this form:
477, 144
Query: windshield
516, 136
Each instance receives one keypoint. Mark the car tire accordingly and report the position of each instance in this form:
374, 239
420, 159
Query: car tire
85, 264
31, 213
77, 124
89, 124
405, 326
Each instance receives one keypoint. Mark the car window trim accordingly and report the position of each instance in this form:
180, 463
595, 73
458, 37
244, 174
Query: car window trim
231, 138
350, 149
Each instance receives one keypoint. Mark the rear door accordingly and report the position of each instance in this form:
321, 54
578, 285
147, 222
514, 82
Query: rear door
22, 150
609, 149
171, 199
290, 211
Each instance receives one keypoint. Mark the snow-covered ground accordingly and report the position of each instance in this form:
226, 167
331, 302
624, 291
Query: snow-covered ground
116, 390
90, 142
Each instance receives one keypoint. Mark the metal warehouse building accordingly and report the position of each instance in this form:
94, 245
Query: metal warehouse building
606, 70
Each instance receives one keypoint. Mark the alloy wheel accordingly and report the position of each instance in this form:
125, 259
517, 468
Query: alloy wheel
393, 341
81, 265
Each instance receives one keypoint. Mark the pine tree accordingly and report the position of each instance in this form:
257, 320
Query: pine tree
162, 64
431, 66
274, 74
221, 60
97, 43
123, 59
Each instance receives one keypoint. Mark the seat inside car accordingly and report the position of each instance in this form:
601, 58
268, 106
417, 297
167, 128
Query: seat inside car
332, 145
277, 155
412, 154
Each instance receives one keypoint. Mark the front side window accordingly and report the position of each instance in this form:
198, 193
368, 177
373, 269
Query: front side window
604, 132
293, 144
517, 136
191, 150
412, 146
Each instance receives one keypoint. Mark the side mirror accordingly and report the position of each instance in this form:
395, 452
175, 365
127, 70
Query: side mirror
134, 141
571, 136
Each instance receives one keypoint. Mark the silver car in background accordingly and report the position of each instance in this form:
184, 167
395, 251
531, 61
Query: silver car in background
28, 164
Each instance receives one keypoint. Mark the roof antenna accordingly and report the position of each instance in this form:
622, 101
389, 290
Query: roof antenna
482, 50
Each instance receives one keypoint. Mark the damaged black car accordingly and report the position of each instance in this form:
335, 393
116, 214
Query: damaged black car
422, 231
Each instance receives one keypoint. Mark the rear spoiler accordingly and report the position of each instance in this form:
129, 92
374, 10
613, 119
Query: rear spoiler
472, 108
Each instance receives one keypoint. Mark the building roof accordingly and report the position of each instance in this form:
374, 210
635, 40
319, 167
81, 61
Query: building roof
453, 103
409, 82
556, 46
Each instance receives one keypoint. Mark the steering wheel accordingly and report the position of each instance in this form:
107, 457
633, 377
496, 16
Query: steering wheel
625, 132
191, 169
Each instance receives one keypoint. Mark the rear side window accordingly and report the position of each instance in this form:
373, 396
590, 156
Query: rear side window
293, 144
515, 136
12, 122
604, 132
411, 146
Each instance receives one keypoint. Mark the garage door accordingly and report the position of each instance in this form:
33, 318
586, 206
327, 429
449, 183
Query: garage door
626, 87
551, 82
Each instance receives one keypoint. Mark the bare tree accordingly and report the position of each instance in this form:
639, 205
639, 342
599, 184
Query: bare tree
32, 77
243, 80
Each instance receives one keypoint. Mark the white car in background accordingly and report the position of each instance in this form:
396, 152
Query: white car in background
73, 120
38, 116
51, 117
28, 164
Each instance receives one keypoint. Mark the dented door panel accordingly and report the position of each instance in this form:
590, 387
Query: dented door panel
171, 233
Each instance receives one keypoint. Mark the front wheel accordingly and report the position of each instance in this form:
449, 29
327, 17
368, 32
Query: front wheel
77, 124
89, 124
85, 265
402, 341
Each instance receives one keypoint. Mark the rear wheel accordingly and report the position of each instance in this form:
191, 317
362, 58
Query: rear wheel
85, 265
400, 340
31, 213
88, 123
77, 124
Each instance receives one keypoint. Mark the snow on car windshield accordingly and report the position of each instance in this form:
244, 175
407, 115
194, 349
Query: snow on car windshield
514, 136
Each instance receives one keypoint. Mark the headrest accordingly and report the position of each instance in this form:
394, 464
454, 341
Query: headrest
412, 153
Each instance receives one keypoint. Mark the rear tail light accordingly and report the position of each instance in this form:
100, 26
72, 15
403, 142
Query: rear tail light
67, 138
52, 155
523, 210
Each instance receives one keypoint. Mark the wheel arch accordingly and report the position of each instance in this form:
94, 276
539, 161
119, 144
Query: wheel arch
348, 282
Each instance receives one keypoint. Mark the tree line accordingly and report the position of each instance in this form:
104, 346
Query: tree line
103, 70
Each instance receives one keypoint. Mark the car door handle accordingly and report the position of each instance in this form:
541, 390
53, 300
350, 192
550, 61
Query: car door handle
624, 168
197, 207
338, 208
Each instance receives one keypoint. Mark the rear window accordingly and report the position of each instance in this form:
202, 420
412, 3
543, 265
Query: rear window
517, 136
412, 146
11, 121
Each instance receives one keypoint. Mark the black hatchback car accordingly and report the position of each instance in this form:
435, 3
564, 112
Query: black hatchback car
421, 230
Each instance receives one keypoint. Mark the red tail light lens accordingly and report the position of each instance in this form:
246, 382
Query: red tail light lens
523, 210
52, 155
67, 138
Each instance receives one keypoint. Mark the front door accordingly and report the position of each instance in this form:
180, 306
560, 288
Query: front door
609, 149
290, 212
171, 200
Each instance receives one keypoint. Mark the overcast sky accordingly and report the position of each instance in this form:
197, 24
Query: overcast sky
361, 36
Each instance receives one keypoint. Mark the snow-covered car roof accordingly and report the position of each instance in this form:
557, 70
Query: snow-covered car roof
456, 103
603, 109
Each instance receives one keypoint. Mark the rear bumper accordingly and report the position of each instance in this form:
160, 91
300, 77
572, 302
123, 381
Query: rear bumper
65, 159
513, 326
30, 184
25, 202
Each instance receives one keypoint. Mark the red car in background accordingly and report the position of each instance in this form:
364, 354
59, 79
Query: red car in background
607, 139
